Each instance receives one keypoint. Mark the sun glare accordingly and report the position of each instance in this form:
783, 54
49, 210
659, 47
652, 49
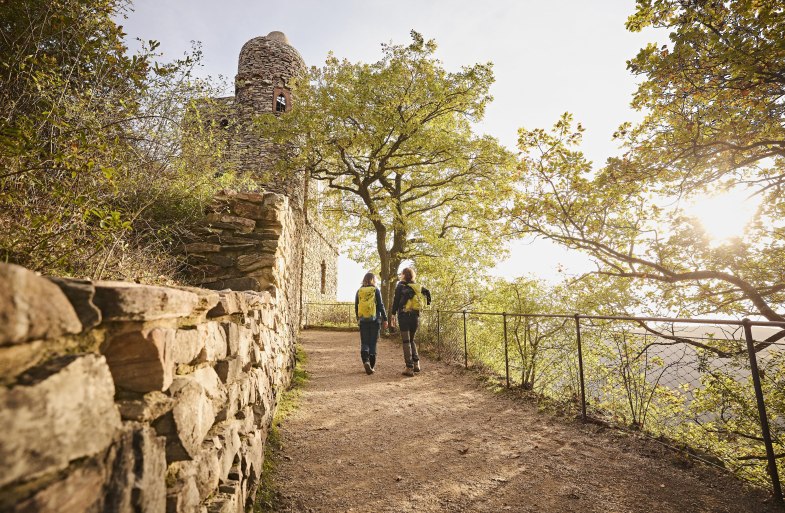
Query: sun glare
724, 216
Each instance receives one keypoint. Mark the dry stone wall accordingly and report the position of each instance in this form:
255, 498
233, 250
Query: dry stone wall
251, 241
126, 397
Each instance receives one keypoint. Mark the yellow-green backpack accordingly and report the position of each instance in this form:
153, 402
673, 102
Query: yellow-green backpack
366, 307
417, 301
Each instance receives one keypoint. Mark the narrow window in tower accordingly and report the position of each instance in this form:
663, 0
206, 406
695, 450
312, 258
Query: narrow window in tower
324, 277
282, 100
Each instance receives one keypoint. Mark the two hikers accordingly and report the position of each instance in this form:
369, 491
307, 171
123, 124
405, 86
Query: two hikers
409, 299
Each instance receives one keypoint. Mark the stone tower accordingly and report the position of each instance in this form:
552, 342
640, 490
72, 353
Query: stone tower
265, 70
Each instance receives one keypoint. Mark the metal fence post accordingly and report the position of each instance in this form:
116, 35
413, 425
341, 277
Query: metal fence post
764, 419
506, 352
438, 335
465, 343
580, 365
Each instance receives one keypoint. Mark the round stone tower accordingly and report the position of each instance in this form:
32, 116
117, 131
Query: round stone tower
265, 71
266, 67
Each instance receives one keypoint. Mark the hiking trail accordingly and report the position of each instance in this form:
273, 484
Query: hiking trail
443, 442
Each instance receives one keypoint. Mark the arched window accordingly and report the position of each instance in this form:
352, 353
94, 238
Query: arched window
324, 277
282, 100
280, 103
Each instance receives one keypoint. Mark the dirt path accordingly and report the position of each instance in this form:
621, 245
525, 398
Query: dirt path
441, 442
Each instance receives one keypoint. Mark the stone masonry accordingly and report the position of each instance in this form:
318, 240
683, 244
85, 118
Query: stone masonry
237, 248
125, 397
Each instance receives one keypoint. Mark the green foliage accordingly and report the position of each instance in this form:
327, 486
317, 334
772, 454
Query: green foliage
93, 181
393, 141
689, 386
713, 123
713, 96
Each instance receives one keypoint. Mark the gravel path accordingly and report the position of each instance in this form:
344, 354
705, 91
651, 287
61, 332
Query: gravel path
442, 442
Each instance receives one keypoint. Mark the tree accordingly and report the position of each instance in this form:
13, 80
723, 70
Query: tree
393, 141
93, 181
713, 97
714, 121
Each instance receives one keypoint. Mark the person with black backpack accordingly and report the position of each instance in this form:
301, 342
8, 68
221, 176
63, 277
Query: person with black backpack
409, 299
370, 313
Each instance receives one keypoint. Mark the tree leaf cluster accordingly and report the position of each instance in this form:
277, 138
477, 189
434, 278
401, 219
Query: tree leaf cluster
93, 178
712, 100
406, 177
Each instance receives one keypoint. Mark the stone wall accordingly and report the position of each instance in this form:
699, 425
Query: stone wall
251, 241
320, 261
126, 397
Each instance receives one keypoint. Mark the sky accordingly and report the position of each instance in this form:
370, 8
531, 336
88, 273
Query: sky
549, 57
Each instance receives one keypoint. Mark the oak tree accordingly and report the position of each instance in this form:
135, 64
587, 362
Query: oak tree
394, 143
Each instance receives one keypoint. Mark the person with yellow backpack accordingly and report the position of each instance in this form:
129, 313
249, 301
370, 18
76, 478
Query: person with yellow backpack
370, 313
408, 300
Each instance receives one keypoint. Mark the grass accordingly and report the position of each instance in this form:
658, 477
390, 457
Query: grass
267, 499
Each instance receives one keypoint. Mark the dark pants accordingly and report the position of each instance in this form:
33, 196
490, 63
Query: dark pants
369, 336
408, 323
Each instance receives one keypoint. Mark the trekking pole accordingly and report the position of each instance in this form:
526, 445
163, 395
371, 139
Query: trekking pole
580, 365
438, 335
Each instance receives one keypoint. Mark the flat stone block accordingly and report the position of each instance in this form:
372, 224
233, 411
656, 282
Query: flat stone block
241, 224
142, 361
32, 307
183, 498
229, 370
188, 343
49, 418
248, 210
124, 301
79, 491
248, 263
202, 247
229, 303
80, 293
246, 283
214, 339
187, 425
152, 406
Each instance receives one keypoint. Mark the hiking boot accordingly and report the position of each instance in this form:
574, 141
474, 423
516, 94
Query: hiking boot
417, 366
408, 371
368, 368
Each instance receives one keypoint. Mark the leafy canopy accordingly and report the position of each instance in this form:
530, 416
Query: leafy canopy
714, 121
393, 142
93, 180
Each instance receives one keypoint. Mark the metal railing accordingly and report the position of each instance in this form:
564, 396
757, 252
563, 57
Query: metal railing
714, 386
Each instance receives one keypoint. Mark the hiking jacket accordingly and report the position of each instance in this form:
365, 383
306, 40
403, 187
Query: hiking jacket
397, 306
